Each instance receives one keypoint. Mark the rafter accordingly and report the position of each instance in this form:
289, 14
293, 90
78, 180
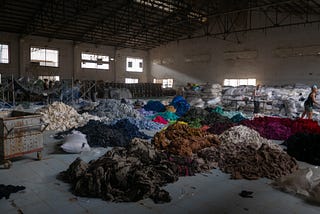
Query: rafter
149, 23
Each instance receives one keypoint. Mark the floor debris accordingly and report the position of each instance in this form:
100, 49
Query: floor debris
7, 190
246, 194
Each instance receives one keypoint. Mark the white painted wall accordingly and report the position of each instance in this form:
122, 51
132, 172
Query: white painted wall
69, 59
168, 61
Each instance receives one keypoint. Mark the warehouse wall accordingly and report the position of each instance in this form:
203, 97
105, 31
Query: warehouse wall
13, 66
212, 60
93, 74
121, 73
69, 59
65, 57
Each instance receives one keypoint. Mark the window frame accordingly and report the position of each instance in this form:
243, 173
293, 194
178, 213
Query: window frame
135, 71
49, 77
162, 82
9, 53
45, 48
131, 79
96, 62
238, 80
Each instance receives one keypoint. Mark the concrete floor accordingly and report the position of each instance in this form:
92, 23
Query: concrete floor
204, 193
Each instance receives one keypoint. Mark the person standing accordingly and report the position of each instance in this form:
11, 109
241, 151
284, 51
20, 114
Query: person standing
308, 104
45, 84
256, 99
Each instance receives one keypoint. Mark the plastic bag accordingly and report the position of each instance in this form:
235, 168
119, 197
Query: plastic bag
304, 182
75, 143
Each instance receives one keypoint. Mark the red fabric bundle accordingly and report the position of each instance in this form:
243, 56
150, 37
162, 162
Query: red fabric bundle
281, 128
219, 128
159, 119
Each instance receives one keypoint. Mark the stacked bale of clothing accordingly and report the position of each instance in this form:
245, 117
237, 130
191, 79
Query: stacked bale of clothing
204, 95
211, 94
281, 100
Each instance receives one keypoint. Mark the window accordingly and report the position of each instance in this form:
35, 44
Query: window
131, 80
94, 61
134, 64
4, 53
52, 78
166, 83
237, 82
44, 56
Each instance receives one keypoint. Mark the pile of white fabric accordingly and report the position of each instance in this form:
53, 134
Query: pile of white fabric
247, 137
61, 117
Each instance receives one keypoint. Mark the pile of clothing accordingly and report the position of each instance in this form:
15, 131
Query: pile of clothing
194, 114
281, 128
62, 117
183, 140
180, 104
100, 134
304, 147
115, 109
244, 154
142, 123
153, 105
128, 174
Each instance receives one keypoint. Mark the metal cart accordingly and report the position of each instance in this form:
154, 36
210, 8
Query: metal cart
20, 133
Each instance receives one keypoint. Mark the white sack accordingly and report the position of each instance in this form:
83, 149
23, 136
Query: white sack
75, 143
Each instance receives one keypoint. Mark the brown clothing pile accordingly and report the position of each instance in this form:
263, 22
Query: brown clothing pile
180, 139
